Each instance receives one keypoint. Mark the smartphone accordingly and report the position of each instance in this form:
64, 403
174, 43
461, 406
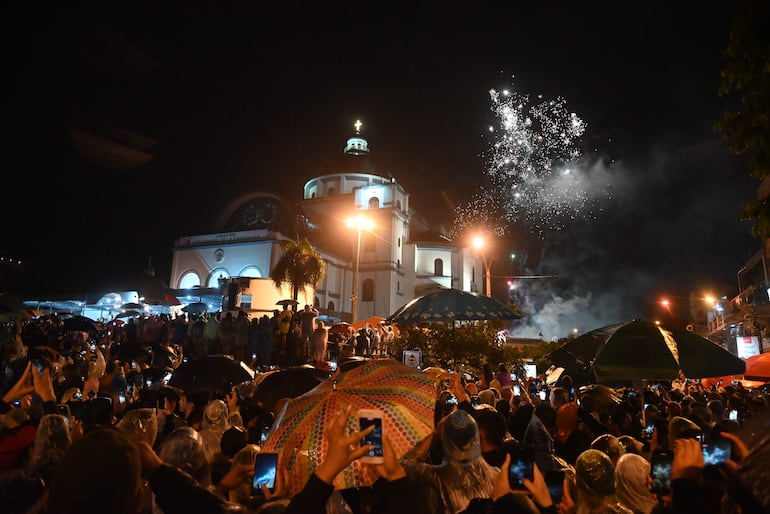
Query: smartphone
543, 395
660, 471
522, 466
716, 452
451, 400
64, 410
16, 403
366, 418
263, 434
554, 480
516, 390
475, 401
733, 415
265, 470
122, 398
648, 430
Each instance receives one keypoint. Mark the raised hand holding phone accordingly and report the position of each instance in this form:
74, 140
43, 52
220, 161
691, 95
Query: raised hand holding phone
367, 418
342, 448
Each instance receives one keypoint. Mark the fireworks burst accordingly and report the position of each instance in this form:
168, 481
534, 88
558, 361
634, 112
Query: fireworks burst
531, 176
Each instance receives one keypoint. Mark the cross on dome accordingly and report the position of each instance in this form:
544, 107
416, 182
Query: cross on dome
358, 124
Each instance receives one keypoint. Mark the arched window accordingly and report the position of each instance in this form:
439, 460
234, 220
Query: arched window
251, 271
438, 267
189, 280
216, 274
367, 290
330, 306
374, 203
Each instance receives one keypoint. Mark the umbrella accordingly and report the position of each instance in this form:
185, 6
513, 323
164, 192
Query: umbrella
80, 324
285, 383
436, 373
404, 395
452, 305
342, 328
640, 349
128, 314
758, 367
707, 383
213, 373
287, 301
132, 306
195, 308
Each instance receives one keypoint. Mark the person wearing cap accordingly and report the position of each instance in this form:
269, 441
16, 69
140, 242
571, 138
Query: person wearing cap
463, 474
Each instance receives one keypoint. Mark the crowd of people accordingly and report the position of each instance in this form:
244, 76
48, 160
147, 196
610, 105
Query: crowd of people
89, 424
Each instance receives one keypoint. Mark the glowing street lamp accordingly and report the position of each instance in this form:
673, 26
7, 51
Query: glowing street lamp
479, 243
359, 222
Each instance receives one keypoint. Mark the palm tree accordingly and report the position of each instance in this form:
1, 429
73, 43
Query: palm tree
300, 265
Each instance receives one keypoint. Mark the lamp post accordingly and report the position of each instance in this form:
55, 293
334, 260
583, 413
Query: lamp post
478, 244
359, 222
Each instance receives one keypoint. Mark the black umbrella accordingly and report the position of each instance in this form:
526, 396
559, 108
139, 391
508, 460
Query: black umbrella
213, 373
452, 305
642, 350
196, 308
285, 383
81, 324
287, 301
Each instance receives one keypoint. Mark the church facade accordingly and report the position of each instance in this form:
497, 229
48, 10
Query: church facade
396, 258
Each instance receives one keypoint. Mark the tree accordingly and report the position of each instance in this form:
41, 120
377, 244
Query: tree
300, 265
746, 130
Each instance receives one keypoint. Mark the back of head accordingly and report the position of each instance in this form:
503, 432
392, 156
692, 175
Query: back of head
52, 439
567, 420
595, 474
183, 449
460, 437
609, 445
142, 422
215, 415
233, 440
493, 424
681, 427
487, 396
101, 473
631, 474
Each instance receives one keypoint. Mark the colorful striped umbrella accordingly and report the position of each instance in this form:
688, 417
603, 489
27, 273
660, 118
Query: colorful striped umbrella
405, 396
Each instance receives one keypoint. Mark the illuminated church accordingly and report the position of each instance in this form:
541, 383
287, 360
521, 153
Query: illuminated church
397, 258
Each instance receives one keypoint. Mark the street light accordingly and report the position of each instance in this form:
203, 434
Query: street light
359, 222
478, 244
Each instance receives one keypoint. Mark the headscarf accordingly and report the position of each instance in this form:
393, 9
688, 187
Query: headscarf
214, 424
52, 442
631, 474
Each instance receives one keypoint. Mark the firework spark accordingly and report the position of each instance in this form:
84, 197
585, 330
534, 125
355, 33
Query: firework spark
531, 175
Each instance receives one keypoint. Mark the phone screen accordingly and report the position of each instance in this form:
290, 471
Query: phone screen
516, 390
265, 467
660, 471
734, 415
543, 395
648, 431
64, 410
522, 466
374, 437
716, 452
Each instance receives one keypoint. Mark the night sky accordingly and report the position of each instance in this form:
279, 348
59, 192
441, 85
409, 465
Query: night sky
213, 100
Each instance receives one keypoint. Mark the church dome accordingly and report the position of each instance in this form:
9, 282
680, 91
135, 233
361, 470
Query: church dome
262, 211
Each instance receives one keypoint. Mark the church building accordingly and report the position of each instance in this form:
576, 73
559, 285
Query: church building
359, 218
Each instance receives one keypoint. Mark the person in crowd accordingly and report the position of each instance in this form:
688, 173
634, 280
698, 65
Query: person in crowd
215, 422
493, 435
308, 318
318, 344
266, 341
227, 333
570, 439
610, 446
191, 407
284, 326
197, 335
487, 375
558, 397
503, 375
462, 476
241, 336
595, 486
213, 335
632, 474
